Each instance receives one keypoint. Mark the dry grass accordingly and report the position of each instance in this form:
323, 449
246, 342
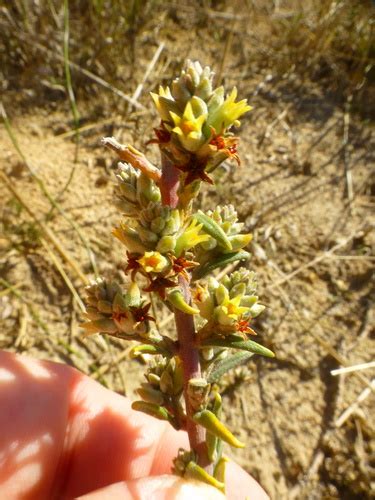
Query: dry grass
324, 40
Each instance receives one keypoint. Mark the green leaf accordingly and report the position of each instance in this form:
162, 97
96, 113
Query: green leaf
211, 443
219, 472
150, 395
209, 421
214, 444
146, 349
176, 298
243, 345
194, 471
213, 229
152, 409
222, 367
221, 261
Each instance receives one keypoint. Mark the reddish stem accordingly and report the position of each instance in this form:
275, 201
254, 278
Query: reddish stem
185, 328
169, 182
190, 361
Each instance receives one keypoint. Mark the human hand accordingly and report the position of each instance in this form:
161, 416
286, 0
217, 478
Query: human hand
63, 436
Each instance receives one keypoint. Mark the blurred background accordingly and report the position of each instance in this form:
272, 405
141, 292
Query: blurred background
74, 71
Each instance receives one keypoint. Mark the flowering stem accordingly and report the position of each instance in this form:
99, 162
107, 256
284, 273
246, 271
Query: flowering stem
185, 329
169, 182
190, 361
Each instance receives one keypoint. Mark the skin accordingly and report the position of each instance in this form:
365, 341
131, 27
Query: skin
64, 436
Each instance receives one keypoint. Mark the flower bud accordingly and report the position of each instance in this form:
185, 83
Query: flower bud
256, 309
166, 244
150, 395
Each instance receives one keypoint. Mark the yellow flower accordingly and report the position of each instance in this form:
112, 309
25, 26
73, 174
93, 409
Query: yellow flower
163, 102
227, 114
153, 262
188, 127
230, 311
190, 238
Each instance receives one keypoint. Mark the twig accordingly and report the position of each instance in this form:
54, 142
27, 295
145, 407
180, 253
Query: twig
352, 257
134, 157
312, 262
228, 45
24, 320
150, 67
354, 406
353, 368
8, 290
266, 134
69, 86
345, 141
87, 127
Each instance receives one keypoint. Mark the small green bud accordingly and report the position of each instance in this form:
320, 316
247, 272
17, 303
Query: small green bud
178, 377
249, 300
150, 395
240, 241
130, 239
104, 306
153, 379
256, 309
210, 226
166, 244
239, 289
104, 325
166, 383
133, 296
172, 224
119, 303
198, 391
146, 235
92, 313
157, 225
129, 192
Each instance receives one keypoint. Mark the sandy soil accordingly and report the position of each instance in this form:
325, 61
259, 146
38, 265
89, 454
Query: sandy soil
312, 249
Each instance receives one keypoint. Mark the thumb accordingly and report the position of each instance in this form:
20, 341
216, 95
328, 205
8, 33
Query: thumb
166, 487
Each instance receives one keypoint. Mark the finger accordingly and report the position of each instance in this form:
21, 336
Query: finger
33, 417
240, 485
61, 431
108, 442
165, 487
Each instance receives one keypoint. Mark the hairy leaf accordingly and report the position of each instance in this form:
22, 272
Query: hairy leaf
221, 261
227, 364
244, 345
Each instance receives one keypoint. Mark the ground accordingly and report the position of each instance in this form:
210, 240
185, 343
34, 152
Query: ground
305, 189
